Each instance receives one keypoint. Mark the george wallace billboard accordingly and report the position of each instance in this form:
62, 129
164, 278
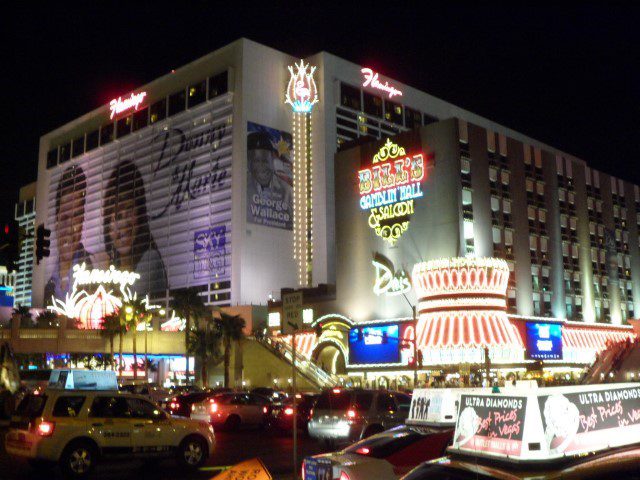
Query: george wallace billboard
156, 202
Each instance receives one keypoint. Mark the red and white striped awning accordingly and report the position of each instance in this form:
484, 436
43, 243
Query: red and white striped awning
483, 329
592, 338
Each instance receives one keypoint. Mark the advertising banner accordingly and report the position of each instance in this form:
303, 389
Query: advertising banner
269, 177
138, 203
544, 341
375, 344
590, 420
490, 424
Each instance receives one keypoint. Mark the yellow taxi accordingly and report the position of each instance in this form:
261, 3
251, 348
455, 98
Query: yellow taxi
75, 429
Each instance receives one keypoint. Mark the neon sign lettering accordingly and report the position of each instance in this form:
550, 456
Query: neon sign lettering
371, 80
119, 105
301, 93
388, 189
388, 282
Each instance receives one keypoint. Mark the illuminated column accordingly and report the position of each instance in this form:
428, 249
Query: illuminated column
302, 94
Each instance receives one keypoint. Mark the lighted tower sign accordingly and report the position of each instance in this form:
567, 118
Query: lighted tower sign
302, 95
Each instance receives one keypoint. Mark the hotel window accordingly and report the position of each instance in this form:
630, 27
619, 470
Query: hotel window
372, 104
469, 238
412, 118
65, 152
140, 119
123, 126
218, 84
106, 134
428, 119
177, 102
77, 147
93, 139
465, 165
52, 157
467, 207
158, 111
350, 97
504, 177
197, 93
393, 112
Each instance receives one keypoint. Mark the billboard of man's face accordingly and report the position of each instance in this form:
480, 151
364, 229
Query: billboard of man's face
261, 165
69, 221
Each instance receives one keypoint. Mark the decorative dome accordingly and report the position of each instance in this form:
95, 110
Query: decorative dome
461, 283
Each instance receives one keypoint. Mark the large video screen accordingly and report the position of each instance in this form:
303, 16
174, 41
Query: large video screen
544, 341
374, 344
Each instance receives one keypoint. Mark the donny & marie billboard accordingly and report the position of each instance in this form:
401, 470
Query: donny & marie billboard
156, 202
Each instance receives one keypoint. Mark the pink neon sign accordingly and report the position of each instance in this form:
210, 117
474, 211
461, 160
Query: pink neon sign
371, 80
119, 105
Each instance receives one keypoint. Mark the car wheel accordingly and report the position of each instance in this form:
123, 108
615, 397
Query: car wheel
192, 452
232, 423
78, 459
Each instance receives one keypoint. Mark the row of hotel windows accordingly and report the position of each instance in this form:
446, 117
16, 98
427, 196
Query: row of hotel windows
166, 107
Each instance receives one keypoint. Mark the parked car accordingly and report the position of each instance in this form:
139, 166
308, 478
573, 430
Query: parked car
281, 414
384, 456
232, 410
271, 393
152, 392
180, 405
342, 416
76, 429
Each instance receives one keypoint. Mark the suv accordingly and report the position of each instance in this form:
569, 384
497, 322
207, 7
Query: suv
76, 428
344, 416
231, 410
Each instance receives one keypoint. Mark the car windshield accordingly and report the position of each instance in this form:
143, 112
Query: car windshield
433, 471
31, 406
387, 443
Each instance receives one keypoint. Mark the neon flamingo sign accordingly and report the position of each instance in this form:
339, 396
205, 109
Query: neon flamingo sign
371, 80
119, 105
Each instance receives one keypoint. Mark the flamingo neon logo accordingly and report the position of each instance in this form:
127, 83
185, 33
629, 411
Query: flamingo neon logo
91, 308
301, 93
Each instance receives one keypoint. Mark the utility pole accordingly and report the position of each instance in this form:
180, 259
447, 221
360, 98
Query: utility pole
415, 340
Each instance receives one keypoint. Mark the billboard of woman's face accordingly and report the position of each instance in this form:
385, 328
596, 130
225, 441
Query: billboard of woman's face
124, 227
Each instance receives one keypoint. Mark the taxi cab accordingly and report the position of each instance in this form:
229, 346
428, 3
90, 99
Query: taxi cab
75, 424
585, 432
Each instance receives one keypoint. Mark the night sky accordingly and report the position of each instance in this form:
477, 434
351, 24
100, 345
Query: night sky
569, 77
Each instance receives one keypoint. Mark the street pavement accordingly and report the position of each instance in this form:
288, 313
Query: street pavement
275, 450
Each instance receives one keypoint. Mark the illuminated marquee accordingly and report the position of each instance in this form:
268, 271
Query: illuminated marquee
301, 93
388, 189
91, 308
371, 80
389, 282
119, 105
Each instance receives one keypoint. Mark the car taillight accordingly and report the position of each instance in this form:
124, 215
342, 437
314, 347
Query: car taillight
351, 413
288, 411
45, 429
344, 476
311, 413
265, 409
302, 472
214, 407
174, 406
363, 451
336, 390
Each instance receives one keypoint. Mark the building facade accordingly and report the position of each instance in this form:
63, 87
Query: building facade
25, 215
190, 181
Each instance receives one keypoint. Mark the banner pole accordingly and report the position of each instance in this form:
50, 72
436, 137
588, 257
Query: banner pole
295, 407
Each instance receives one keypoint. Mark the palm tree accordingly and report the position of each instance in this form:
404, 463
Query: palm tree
111, 326
24, 314
204, 344
188, 304
47, 319
231, 329
135, 312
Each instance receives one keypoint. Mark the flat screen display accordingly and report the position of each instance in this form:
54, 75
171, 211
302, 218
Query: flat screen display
544, 341
374, 344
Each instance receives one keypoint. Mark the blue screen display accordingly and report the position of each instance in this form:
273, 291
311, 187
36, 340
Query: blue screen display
374, 345
544, 341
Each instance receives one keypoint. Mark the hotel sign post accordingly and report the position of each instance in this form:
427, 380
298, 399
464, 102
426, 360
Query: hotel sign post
292, 309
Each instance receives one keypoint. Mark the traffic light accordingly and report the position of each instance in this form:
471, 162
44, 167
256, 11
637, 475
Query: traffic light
42, 243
